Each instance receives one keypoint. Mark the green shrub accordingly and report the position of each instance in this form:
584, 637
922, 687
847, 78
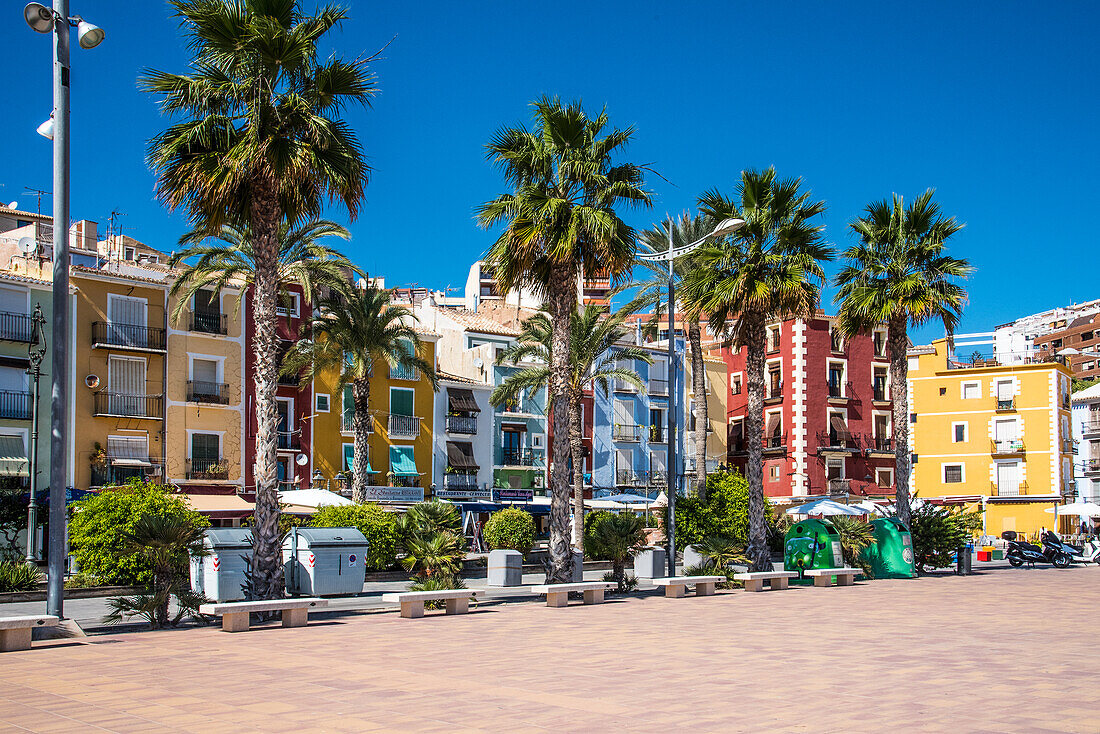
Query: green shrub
592, 521
379, 527
425, 519
725, 512
713, 569
617, 539
628, 583
18, 576
938, 533
511, 529
100, 522
82, 580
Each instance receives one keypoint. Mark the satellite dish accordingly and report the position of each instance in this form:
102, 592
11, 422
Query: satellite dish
477, 362
27, 245
302, 460
13, 205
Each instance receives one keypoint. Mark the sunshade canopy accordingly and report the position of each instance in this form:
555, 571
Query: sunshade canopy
13, 457
462, 400
460, 455
826, 507
1081, 509
128, 450
402, 462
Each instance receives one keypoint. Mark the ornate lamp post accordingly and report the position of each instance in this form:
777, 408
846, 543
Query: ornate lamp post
36, 350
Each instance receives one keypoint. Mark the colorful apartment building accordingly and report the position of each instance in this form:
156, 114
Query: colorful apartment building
463, 465
827, 411
402, 406
991, 435
717, 400
1085, 425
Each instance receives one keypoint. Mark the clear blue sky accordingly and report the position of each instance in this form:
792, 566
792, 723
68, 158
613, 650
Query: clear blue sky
994, 104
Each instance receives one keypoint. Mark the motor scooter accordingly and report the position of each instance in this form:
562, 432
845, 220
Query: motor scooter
1062, 555
1020, 552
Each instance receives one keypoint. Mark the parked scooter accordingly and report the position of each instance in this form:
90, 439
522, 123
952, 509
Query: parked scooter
1091, 551
1020, 552
1062, 555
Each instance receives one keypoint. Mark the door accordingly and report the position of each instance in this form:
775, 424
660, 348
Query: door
126, 386
205, 452
511, 443
204, 380
284, 407
624, 466
658, 466
1004, 391
1005, 434
624, 419
128, 317
1008, 479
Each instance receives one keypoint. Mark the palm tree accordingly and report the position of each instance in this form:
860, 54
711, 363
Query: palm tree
595, 350
900, 274
685, 231
770, 268
230, 259
618, 539
560, 223
350, 334
259, 142
165, 540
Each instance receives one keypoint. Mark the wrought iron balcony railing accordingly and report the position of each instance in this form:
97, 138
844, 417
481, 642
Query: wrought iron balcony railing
840, 486
626, 432
1006, 403
129, 336
1008, 446
397, 372
404, 426
109, 473
658, 387
465, 424
459, 480
200, 391
632, 478
207, 469
347, 423
520, 457
16, 405
16, 327
207, 322
880, 444
833, 440
129, 406
772, 443
289, 440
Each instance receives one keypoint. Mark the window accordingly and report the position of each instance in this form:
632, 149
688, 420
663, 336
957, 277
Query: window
735, 385
880, 344
205, 448
834, 468
1056, 343
775, 382
288, 305
773, 339
204, 370
879, 384
884, 478
126, 386
836, 380
882, 426
349, 456
321, 404
952, 473
971, 390
401, 401
1086, 336
128, 253
836, 340
1008, 479
1087, 365
959, 432
773, 472
914, 364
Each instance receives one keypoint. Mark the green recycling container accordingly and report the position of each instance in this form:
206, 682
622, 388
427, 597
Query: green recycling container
891, 555
812, 543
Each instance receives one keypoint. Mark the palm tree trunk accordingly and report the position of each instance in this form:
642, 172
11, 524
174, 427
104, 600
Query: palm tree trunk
754, 336
360, 395
898, 342
267, 568
576, 443
562, 297
702, 418
162, 585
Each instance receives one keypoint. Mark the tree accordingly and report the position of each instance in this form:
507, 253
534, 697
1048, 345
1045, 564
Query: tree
618, 538
231, 259
350, 334
259, 144
164, 541
594, 337
684, 231
768, 269
900, 274
560, 222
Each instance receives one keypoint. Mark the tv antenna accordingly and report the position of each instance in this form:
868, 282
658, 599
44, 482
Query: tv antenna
39, 193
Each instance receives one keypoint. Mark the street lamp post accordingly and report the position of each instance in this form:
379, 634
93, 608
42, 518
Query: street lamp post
57, 21
726, 226
35, 352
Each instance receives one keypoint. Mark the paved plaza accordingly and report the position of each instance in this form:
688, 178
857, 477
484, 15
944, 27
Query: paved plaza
1004, 651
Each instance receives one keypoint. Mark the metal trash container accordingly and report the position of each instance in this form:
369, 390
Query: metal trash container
693, 557
891, 555
324, 561
651, 564
578, 567
964, 559
505, 568
220, 574
812, 543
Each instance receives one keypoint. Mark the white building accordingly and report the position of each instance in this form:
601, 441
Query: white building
1014, 342
1085, 413
463, 440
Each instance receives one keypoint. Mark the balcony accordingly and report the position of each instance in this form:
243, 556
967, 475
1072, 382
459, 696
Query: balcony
626, 432
840, 392
840, 486
111, 473
773, 444
404, 426
834, 441
1004, 405
1007, 447
631, 478
520, 457
657, 434
658, 387
1091, 466
16, 405
289, 441
121, 405
1090, 426
129, 336
624, 386
199, 391
458, 480
1009, 489
207, 322
397, 372
207, 469
464, 424
879, 394
880, 445
16, 327
290, 380
347, 423
773, 393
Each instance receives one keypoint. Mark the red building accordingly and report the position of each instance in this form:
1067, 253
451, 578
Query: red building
827, 411
295, 404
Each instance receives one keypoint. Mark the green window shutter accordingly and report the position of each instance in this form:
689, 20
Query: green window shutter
349, 456
401, 401
349, 403
205, 446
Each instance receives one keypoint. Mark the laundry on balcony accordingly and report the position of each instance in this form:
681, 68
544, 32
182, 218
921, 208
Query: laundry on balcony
13, 457
461, 455
461, 400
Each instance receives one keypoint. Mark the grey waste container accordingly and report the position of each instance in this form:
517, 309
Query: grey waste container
324, 561
505, 568
220, 574
693, 557
651, 564
578, 567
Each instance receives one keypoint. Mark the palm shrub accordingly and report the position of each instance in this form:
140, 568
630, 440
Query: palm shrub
721, 550
855, 537
510, 528
560, 222
900, 274
438, 554
164, 541
258, 141
618, 539
18, 576
378, 526
771, 268
429, 518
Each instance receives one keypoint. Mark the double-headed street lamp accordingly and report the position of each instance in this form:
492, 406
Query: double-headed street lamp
726, 226
57, 20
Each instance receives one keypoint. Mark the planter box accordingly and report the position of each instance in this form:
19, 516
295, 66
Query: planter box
984, 555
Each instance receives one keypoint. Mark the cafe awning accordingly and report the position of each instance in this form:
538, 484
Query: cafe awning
460, 455
462, 400
13, 457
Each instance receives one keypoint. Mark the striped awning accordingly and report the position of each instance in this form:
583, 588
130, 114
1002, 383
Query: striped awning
13, 457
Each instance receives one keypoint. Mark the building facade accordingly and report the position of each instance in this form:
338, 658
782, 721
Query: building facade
991, 435
1085, 420
463, 446
827, 411
1044, 335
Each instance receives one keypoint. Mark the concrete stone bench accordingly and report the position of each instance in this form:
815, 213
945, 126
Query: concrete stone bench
775, 579
15, 632
234, 614
676, 586
557, 595
824, 576
412, 602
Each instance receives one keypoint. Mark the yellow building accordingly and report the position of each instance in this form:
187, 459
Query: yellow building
992, 435
401, 456
717, 396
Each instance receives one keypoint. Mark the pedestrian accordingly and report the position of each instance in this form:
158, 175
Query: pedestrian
1084, 528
